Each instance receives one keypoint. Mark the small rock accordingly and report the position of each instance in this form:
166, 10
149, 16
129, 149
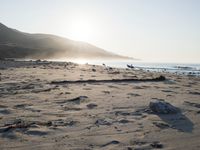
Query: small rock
157, 145
161, 78
91, 106
123, 121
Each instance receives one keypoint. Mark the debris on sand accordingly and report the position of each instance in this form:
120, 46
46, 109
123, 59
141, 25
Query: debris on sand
24, 124
162, 125
18, 123
157, 145
61, 122
111, 142
76, 100
160, 78
103, 122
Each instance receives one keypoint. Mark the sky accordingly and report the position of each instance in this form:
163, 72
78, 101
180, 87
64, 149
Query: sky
150, 30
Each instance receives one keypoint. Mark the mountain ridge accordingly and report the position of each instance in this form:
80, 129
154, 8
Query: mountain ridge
17, 44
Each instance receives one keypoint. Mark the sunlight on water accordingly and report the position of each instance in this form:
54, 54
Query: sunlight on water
80, 61
177, 68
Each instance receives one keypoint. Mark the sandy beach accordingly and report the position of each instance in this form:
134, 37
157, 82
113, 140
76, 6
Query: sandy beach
66, 106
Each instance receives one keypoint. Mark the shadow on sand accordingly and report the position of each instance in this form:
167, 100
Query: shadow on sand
178, 121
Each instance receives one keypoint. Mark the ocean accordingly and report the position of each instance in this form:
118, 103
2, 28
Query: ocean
176, 68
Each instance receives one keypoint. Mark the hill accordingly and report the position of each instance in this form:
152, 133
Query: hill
17, 44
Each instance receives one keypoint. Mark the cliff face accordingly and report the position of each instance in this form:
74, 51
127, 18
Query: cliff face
16, 44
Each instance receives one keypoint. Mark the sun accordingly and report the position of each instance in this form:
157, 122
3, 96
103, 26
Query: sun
80, 29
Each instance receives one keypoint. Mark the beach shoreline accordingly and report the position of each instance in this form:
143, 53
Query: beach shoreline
36, 114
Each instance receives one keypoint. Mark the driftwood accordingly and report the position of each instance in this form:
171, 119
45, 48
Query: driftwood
157, 79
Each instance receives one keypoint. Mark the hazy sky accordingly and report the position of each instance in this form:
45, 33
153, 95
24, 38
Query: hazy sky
153, 30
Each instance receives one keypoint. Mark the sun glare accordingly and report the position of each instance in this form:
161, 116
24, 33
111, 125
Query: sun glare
81, 29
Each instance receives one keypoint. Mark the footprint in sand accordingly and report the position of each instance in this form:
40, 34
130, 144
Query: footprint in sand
22, 106
36, 132
4, 111
138, 87
71, 108
134, 94
106, 92
3, 106
26, 107
168, 91
158, 99
111, 86
123, 121
87, 89
192, 104
144, 145
194, 93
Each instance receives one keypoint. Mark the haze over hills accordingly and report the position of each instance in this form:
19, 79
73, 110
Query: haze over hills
16, 44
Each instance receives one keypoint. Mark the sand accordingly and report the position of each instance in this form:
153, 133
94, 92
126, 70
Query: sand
40, 111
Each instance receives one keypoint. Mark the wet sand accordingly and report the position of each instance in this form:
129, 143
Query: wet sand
56, 105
